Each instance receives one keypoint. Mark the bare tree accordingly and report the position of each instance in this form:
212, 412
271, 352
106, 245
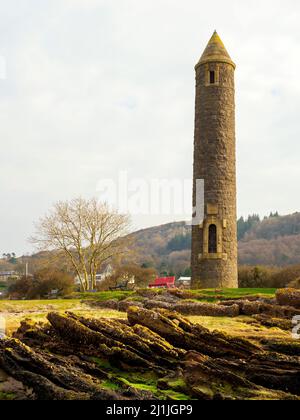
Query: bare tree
87, 231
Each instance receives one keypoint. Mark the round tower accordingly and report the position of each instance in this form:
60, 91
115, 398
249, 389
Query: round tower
214, 242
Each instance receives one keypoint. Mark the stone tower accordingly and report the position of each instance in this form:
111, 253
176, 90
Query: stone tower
214, 242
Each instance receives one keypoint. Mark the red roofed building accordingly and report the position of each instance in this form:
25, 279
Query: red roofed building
163, 283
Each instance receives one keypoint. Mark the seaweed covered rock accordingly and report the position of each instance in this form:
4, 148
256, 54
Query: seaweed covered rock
157, 354
207, 309
195, 308
270, 322
183, 334
138, 339
263, 306
288, 297
156, 304
218, 379
47, 379
107, 304
125, 304
77, 334
113, 304
171, 302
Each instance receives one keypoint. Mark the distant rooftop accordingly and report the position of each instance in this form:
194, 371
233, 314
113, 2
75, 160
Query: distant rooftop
7, 273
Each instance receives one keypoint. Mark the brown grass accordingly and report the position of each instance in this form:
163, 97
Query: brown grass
16, 311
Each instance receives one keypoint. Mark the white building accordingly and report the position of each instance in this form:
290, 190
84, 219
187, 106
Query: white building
101, 276
7, 275
185, 282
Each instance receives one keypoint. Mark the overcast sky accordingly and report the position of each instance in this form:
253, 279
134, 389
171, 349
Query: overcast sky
94, 87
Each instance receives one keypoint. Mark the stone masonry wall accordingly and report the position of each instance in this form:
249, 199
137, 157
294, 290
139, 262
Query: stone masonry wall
215, 162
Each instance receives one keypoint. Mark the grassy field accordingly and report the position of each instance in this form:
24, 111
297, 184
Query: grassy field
16, 311
203, 294
37, 310
237, 293
212, 295
241, 326
102, 296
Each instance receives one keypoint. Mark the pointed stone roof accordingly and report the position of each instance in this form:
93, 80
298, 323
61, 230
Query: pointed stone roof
215, 52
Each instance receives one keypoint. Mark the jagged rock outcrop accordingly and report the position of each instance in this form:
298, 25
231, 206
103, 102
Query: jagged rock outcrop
257, 307
181, 333
195, 308
267, 321
156, 354
286, 305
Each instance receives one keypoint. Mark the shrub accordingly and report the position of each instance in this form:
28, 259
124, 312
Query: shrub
42, 284
268, 277
295, 284
255, 277
285, 276
124, 273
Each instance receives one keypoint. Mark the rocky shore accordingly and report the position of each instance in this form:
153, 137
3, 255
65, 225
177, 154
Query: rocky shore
155, 354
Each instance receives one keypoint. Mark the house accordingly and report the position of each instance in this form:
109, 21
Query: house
184, 282
163, 283
105, 274
100, 277
7, 275
53, 294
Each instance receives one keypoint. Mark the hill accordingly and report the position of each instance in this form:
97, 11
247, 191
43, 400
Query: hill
166, 247
273, 241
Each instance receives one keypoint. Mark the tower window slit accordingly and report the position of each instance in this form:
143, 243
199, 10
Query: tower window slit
212, 239
212, 77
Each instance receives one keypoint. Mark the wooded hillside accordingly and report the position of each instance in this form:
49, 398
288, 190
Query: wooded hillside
273, 241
